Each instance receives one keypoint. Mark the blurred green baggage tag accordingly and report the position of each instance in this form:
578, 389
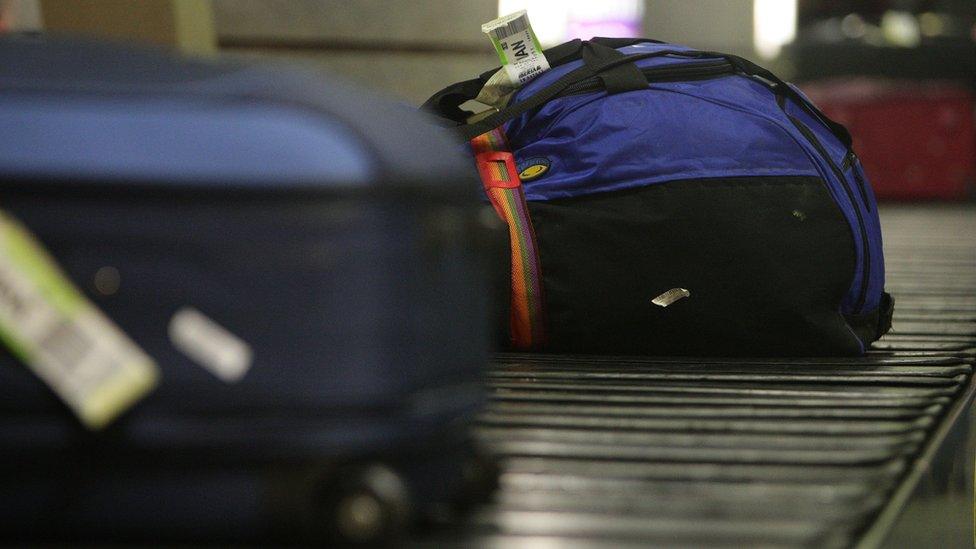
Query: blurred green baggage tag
62, 337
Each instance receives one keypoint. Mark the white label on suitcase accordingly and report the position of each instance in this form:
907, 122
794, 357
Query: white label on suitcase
670, 296
517, 47
210, 345
62, 337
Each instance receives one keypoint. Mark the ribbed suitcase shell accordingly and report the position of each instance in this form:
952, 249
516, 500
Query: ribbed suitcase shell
330, 230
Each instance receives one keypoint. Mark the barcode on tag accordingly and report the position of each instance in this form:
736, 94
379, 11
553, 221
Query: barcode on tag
65, 343
512, 27
62, 337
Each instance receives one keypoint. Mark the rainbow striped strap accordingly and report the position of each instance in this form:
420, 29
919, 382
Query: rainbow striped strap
496, 165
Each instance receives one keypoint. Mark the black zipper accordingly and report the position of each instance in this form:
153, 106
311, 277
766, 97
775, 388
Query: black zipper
850, 163
682, 73
866, 273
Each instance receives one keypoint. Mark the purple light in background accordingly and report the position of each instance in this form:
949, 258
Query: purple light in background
609, 28
556, 21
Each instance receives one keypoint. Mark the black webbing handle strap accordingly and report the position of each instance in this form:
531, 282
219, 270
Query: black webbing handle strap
443, 103
568, 52
597, 66
495, 120
446, 104
621, 78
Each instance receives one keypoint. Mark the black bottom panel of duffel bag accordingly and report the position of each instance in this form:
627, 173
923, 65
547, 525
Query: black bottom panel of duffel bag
766, 262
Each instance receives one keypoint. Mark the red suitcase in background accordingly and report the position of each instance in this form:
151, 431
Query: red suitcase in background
916, 140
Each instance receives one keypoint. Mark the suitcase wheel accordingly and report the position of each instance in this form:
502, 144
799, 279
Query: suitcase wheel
367, 505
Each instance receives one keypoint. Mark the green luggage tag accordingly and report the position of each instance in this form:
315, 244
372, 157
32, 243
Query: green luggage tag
64, 338
521, 56
517, 47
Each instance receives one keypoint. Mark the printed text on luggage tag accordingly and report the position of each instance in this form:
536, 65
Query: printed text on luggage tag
517, 47
62, 337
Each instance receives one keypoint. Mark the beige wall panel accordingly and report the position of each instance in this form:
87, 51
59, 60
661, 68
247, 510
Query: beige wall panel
723, 25
409, 77
184, 24
414, 21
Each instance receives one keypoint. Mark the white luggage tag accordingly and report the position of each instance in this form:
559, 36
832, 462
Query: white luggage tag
520, 53
210, 345
64, 338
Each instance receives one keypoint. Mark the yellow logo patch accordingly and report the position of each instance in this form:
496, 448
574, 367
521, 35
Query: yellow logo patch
533, 171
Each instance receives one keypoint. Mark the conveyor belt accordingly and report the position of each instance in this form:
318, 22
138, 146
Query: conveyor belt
711, 452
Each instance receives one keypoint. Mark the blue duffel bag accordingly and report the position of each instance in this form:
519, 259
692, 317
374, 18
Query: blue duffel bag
671, 201
331, 237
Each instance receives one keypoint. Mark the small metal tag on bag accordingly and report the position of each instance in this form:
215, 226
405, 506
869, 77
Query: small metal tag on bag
670, 296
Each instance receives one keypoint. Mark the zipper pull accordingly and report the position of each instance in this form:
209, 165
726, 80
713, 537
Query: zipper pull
849, 160
857, 172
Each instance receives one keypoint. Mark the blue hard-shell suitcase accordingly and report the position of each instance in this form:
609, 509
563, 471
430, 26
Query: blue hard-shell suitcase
330, 230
